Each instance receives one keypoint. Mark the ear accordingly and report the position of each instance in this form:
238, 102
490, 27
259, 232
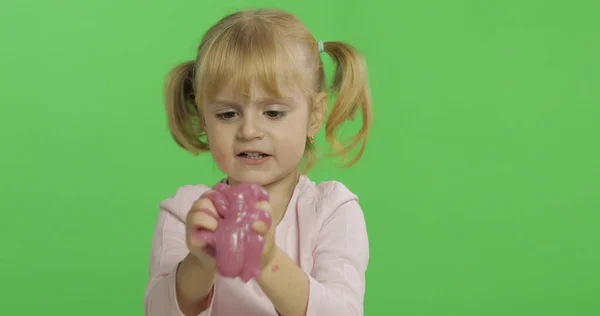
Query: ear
317, 115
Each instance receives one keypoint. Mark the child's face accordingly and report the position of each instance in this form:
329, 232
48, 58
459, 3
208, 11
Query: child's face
261, 140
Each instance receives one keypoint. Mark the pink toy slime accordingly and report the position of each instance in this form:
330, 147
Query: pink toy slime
238, 248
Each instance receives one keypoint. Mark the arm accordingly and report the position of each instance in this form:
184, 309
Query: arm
178, 285
336, 285
194, 286
286, 285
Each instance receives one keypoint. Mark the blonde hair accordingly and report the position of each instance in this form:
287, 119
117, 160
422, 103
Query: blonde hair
261, 46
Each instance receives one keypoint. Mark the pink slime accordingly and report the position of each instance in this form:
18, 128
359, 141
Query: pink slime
238, 249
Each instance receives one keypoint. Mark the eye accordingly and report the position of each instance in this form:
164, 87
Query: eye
275, 114
226, 115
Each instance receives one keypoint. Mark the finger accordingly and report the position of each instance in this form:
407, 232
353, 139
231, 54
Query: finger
199, 239
260, 227
204, 204
200, 228
202, 250
216, 197
202, 219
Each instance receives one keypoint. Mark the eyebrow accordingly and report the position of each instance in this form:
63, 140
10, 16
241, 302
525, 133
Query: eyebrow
282, 101
262, 102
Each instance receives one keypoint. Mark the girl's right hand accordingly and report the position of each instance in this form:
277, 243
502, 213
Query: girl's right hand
202, 220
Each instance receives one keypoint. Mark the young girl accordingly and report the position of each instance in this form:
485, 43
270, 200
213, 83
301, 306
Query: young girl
255, 99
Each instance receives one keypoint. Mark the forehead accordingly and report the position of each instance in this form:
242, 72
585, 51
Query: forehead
257, 94
247, 71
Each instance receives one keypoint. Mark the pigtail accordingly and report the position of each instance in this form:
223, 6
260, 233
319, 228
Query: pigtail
351, 86
184, 119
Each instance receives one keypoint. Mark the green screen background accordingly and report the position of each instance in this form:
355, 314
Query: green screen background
480, 185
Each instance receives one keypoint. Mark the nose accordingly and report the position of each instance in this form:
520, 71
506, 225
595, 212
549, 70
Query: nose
250, 128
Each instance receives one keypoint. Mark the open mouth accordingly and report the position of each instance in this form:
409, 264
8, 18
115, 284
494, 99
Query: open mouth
252, 155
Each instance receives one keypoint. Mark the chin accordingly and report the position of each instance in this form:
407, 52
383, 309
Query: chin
258, 177
262, 178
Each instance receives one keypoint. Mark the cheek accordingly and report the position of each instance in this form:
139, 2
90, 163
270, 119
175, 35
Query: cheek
222, 156
292, 143
218, 152
220, 147
292, 140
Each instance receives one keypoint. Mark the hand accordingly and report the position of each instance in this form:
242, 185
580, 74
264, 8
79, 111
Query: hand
260, 227
201, 220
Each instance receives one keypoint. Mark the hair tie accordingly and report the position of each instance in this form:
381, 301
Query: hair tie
320, 44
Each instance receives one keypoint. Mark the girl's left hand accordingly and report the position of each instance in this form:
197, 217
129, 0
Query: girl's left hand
269, 233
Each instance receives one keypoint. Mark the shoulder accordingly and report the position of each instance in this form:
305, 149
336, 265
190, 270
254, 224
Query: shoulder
332, 219
330, 197
334, 194
182, 200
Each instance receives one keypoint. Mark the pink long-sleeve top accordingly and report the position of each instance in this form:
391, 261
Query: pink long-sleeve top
323, 230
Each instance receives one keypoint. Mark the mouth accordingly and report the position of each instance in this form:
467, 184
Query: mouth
253, 155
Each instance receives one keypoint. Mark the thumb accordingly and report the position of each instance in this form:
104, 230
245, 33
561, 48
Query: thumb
260, 227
